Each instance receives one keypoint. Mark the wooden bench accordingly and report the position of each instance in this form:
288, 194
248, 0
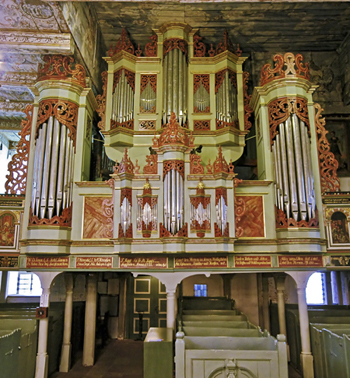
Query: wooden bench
197, 357
9, 354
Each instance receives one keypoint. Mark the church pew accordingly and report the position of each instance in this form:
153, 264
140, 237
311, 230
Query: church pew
318, 347
198, 357
206, 303
9, 354
210, 312
216, 331
208, 317
315, 316
227, 324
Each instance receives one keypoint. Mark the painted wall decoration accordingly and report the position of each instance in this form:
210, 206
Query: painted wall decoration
339, 141
98, 218
8, 261
340, 228
249, 212
337, 227
8, 231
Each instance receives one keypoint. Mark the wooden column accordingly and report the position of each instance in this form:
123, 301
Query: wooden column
90, 320
42, 358
68, 312
301, 279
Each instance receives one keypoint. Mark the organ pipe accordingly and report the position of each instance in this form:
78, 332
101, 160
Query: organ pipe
53, 170
175, 86
294, 181
122, 100
226, 101
173, 201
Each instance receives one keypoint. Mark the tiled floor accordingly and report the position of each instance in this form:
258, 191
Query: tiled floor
119, 359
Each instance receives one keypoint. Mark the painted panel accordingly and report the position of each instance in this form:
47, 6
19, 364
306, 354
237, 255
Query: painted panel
253, 261
201, 262
249, 212
296, 261
47, 262
144, 263
98, 218
7, 230
94, 262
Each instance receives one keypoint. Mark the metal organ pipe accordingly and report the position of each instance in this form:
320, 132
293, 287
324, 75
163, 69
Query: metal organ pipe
175, 86
293, 171
173, 201
53, 170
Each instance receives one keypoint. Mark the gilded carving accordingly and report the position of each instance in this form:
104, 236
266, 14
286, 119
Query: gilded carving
151, 47
327, 162
60, 67
18, 167
282, 108
65, 112
64, 220
198, 47
123, 44
175, 43
295, 67
199, 125
101, 102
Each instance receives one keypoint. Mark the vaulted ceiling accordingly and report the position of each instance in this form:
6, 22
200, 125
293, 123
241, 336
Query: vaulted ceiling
31, 28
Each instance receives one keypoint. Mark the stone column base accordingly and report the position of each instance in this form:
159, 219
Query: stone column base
65, 358
307, 364
42, 365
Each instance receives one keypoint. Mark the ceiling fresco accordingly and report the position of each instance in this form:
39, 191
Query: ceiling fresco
258, 26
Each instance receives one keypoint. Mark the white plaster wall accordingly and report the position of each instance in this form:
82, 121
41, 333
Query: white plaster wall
214, 285
244, 290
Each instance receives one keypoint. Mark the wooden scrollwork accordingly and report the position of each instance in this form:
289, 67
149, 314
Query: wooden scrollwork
151, 47
175, 43
60, 67
65, 112
101, 102
64, 220
294, 67
18, 167
282, 108
178, 165
247, 109
123, 44
327, 162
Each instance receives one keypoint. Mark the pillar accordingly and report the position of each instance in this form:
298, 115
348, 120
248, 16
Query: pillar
3, 286
329, 288
90, 320
171, 307
345, 287
68, 312
266, 312
281, 305
42, 358
170, 280
306, 357
227, 285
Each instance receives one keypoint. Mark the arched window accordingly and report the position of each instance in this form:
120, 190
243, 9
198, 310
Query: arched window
23, 283
315, 289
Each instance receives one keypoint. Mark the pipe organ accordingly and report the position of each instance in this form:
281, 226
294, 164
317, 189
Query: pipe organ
226, 99
286, 140
123, 99
293, 174
54, 159
175, 72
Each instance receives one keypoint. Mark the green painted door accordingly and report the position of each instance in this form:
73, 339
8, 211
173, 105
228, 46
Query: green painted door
146, 300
